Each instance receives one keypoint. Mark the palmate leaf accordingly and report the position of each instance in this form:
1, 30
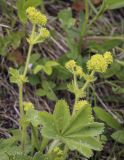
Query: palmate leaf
78, 131
8, 147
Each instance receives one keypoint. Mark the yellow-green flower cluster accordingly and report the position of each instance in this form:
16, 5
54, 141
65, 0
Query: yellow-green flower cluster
78, 71
58, 152
89, 78
80, 104
44, 33
28, 106
35, 16
23, 79
70, 64
108, 57
40, 19
74, 68
99, 63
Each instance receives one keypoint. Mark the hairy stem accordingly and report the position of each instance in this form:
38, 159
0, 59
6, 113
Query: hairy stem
21, 100
54, 144
86, 84
43, 144
22, 126
65, 152
29, 53
84, 27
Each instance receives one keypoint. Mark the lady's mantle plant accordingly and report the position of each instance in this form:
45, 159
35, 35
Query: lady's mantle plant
39, 34
63, 130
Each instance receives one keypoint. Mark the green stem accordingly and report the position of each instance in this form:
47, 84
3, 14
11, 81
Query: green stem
21, 100
22, 127
75, 81
35, 142
65, 152
29, 52
27, 61
92, 6
101, 10
84, 26
87, 82
53, 145
76, 89
24, 134
43, 144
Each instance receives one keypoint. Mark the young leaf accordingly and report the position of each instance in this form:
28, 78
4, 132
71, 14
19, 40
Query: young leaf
47, 90
32, 116
47, 70
15, 77
106, 117
34, 80
119, 136
51, 95
34, 58
48, 67
51, 63
37, 69
41, 92
65, 16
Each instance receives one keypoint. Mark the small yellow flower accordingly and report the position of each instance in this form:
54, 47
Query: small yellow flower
44, 33
58, 151
108, 57
70, 65
79, 71
97, 63
23, 79
28, 106
89, 78
80, 104
35, 16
